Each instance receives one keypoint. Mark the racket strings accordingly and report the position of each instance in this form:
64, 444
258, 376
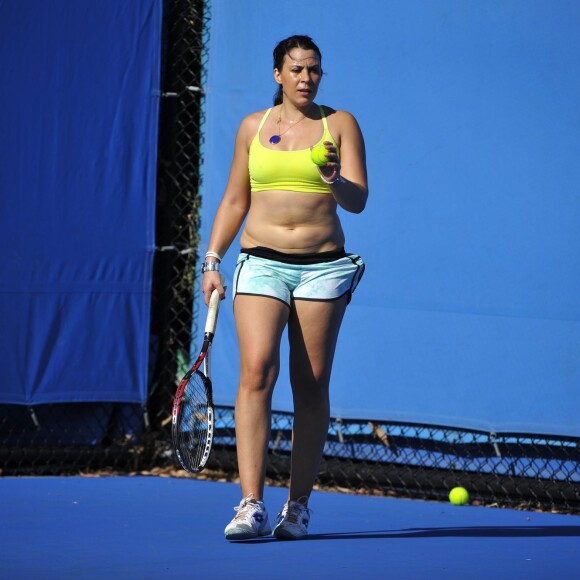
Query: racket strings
194, 429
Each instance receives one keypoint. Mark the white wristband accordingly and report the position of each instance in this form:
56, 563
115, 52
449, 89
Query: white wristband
213, 255
339, 179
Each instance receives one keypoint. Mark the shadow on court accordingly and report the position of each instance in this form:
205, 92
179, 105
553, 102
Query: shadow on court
460, 532
456, 532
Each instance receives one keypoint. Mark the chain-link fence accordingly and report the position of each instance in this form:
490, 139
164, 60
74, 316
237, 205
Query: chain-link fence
179, 202
372, 456
421, 461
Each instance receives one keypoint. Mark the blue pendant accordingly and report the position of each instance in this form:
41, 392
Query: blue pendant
275, 139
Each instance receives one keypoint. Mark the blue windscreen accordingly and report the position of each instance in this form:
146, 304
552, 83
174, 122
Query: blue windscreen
78, 149
469, 311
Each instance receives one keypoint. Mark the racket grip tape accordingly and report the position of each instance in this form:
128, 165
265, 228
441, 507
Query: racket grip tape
213, 310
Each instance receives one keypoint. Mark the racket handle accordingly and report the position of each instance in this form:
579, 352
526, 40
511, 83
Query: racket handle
213, 309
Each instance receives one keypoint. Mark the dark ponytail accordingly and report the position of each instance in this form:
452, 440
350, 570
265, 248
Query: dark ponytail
283, 48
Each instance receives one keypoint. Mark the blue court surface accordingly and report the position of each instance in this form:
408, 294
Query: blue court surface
149, 527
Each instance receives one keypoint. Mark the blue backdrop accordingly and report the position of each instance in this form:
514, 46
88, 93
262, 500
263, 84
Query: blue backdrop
469, 312
78, 148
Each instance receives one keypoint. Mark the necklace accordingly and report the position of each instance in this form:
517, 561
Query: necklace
275, 139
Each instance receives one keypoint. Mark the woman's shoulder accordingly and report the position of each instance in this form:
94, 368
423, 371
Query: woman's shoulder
255, 118
248, 128
337, 115
250, 123
339, 119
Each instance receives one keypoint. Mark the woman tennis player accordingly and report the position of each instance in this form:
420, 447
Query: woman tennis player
292, 271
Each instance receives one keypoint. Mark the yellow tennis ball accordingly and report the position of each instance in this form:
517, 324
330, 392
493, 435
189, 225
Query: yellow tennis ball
459, 496
318, 154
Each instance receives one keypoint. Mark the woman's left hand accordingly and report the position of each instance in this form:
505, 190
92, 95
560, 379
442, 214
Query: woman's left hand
330, 171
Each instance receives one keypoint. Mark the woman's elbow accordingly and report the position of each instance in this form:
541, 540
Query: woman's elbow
361, 202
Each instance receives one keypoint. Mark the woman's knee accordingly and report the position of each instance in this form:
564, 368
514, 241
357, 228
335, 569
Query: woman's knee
258, 376
309, 377
311, 395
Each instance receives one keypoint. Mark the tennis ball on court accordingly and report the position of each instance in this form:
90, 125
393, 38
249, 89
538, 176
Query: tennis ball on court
318, 154
459, 496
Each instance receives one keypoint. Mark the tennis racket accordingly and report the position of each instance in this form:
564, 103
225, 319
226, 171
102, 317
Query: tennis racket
192, 420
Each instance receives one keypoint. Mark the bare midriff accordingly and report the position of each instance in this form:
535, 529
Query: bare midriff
293, 222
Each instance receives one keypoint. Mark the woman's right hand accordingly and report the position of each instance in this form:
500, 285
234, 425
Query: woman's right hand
210, 281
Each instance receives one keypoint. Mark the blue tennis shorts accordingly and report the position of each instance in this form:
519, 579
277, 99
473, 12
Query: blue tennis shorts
322, 276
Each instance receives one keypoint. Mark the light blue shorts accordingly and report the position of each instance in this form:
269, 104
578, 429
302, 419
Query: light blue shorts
323, 277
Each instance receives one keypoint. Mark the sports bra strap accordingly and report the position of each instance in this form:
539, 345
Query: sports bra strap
323, 116
266, 115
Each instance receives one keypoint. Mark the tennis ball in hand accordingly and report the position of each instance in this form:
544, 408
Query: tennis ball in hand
459, 496
318, 154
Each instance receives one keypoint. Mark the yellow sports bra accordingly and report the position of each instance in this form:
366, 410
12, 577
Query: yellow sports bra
286, 170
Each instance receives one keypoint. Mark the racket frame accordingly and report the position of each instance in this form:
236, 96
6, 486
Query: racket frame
204, 358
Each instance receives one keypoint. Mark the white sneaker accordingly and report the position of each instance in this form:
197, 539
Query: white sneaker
251, 521
292, 521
